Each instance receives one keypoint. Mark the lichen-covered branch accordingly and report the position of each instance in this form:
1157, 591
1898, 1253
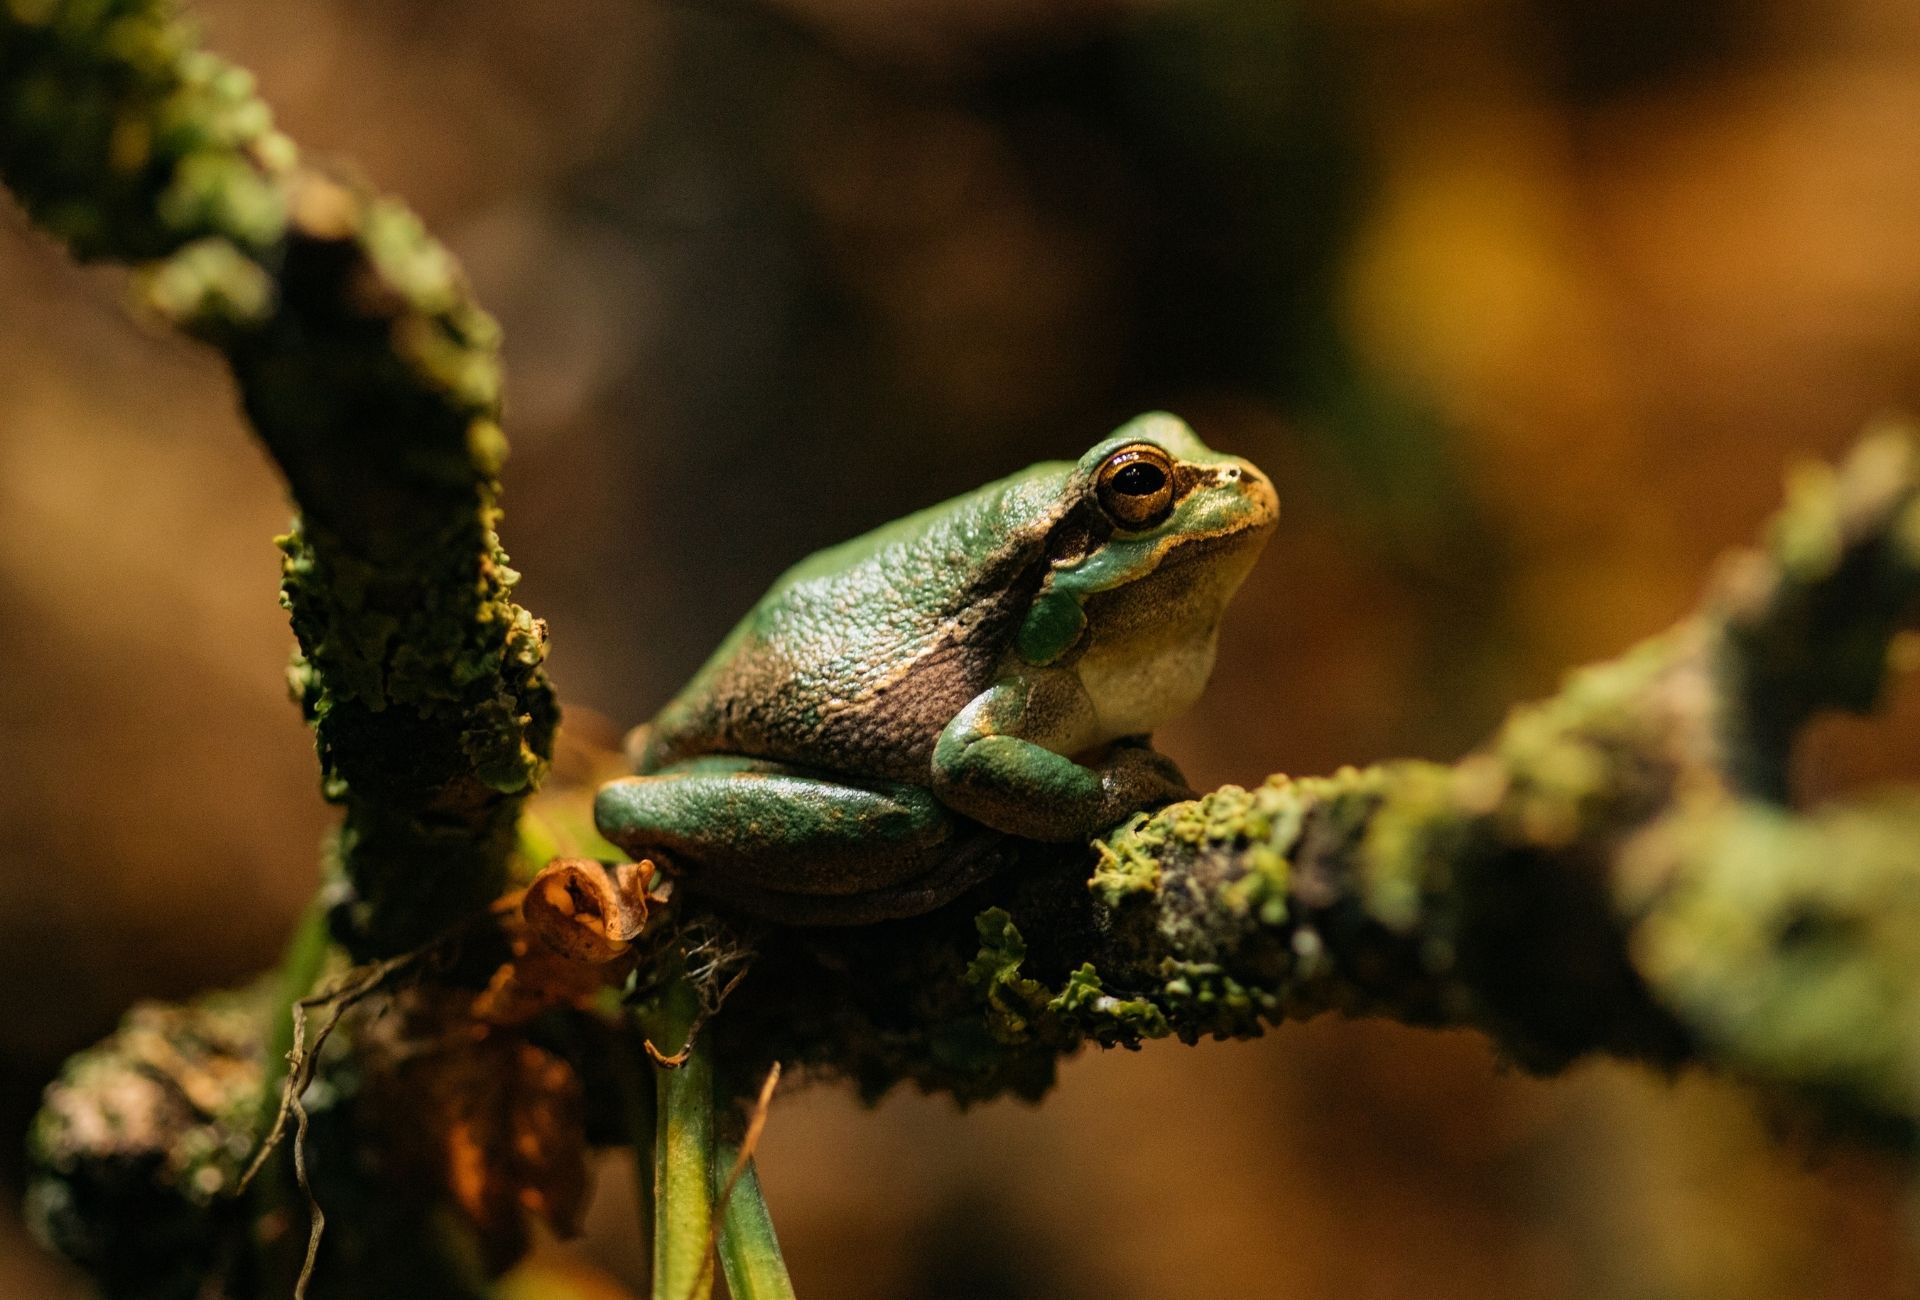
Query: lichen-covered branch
1604, 876
142, 1139
1618, 870
1613, 872
371, 377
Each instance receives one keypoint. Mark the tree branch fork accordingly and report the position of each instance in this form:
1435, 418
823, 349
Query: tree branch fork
1619, 870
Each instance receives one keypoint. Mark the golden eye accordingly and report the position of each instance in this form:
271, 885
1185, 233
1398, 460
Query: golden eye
1135, 486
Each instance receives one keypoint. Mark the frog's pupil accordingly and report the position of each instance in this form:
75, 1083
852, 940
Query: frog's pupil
1139, 479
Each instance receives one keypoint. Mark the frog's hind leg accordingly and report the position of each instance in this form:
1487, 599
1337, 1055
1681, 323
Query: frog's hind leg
795, 844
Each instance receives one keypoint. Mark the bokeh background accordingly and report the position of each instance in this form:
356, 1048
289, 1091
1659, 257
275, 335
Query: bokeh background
1524, 303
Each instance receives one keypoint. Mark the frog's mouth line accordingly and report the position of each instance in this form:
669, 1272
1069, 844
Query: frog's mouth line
1195, 549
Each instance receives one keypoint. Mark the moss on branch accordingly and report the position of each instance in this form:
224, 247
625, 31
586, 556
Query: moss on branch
140, 1141
372, 378
1617, 871
1612, 873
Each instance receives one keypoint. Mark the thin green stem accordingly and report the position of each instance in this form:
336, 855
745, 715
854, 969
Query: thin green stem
749, 1250
640, 1117
683, 1155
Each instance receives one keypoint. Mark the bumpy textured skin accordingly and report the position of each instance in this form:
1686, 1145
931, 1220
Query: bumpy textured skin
866, 650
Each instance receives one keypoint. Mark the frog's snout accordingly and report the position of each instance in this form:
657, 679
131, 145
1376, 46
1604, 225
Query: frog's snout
1258, 499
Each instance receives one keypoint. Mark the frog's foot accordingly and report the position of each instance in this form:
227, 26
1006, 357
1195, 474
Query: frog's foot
985, 767
791, 843
1135, 775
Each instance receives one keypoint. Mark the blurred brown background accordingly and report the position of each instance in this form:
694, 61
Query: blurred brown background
1525, 304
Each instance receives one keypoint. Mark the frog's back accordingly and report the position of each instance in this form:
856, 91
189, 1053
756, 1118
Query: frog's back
860, 654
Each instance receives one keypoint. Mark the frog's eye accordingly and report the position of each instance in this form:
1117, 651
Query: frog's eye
1135, 486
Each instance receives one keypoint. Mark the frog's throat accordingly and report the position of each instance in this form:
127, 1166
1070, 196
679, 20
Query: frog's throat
1057, 618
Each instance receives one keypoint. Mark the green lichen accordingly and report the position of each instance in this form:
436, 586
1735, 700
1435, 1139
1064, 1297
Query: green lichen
1203, 879
1108, 1020
1206, 1000
209, 284
1014, 1004
372, 378
1021, 1011
1796, 977
1262, 824
1126, 866
124, 140
1417, 824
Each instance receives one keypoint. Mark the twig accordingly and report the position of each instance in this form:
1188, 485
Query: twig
303, 1061
756, 1122
743, 1229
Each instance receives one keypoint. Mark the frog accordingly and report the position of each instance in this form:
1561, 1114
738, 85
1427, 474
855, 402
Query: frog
901, 712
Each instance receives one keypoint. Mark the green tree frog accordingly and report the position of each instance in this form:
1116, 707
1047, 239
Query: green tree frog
866, 740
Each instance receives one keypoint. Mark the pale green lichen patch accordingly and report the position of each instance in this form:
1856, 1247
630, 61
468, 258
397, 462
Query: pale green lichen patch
1231, 819
1022, 1011
1199, 878
465, 652
1262, 892
122, 139
1085, 1003
1013, 1002
1808, 980
209, 284
1807, 539
1124, 867
1205, 999
1561, 778
1405, 845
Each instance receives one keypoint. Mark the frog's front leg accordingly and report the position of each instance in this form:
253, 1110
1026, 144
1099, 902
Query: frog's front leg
734, 824
993, 763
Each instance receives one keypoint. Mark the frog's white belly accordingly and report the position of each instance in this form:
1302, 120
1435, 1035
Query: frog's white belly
1134, 690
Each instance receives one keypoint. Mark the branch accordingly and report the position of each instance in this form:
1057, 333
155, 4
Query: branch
138, 1142
1617, 871
1612, 873
371, 377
